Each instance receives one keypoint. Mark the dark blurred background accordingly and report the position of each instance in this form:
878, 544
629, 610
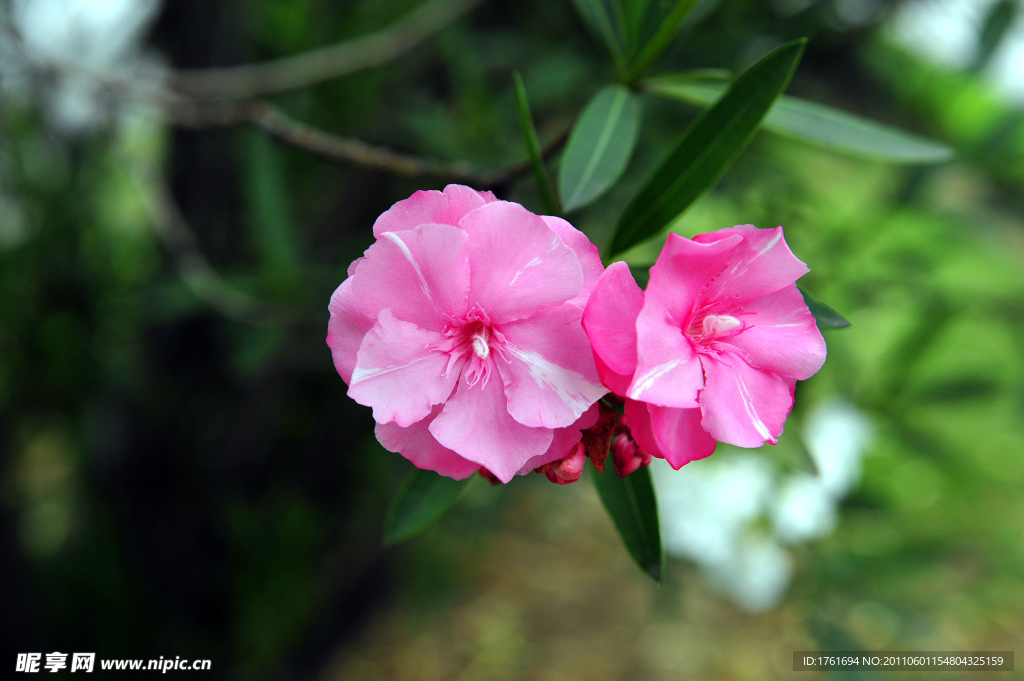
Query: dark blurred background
183, 474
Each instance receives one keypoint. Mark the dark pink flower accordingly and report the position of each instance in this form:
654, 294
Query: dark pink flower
626, 454
461, 328
714, 347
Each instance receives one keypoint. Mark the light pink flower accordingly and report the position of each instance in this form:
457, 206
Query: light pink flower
461, 328
713, 349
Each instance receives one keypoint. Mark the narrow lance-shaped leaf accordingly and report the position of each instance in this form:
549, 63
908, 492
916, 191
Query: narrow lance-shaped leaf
599, 147
667, 29
631, 503
819, 125
602, 17
635, 13
421, 500
708, 148
826, 317
540, 173
998, 22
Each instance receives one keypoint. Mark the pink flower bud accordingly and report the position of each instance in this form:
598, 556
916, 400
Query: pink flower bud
489, 476
568, 469
628, 457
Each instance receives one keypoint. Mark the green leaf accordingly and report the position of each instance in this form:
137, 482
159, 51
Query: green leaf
631, 504
820, 125
826, 317
421, 500
540, 173
667, 29
707, 149
603, 18
269, 212
635, 13
599, 147
997, 25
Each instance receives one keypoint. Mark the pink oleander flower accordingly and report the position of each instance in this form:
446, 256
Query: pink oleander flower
461, 327
714, 347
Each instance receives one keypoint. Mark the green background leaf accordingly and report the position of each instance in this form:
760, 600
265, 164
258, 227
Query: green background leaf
708, 148
632, 506
421, 500
540, 172
670, 17
826, 317
604, 18
600, 146
821, 125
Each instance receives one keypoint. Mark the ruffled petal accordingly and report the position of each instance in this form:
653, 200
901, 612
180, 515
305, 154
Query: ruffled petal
476, 425
586, 252
398, 374
610, 319
346, 328
421, 448
685, 270
780, 335
679, 435
518, 265
760, 264
431, 207
550, 377
421, 275
668, 372
741, 405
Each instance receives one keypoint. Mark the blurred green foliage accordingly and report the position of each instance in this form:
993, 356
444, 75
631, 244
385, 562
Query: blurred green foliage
177, 482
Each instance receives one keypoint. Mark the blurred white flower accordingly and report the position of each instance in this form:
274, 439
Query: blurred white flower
757, 576
947, 31
944, 31
803, 509
705, 506
83, 58
713, 511
836, 436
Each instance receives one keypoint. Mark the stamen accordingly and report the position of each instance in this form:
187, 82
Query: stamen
481, 343
717, 324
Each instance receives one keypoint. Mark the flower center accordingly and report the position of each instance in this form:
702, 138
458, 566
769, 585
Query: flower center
718, 324
713, 327
471, 343
482, 342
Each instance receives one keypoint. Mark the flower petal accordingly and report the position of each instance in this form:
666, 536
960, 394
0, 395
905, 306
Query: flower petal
346, 328
668, 372
781, 335
421, 448
398, 374
563, 441
684, 270
518, 265
741, 405
476, 425
550, 378
679, 435
431, 207
586, 252
761, 264
610, 319
637, 417
617, 383
421, 274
